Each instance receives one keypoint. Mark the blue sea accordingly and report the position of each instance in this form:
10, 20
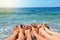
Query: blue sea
11, 17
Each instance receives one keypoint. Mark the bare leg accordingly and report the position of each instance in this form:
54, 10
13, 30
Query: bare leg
14, 35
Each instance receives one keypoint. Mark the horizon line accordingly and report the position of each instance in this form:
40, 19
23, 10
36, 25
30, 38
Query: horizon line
25, 7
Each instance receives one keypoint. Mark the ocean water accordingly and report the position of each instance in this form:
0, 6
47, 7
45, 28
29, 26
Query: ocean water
11, 17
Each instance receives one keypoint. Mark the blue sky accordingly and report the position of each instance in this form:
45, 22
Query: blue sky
41, 3
30, 3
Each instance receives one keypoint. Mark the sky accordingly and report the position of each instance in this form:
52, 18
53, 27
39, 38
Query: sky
29, 3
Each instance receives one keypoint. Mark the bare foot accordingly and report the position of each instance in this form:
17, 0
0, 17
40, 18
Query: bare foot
28, 33
47, 36
35, 27
21, 33
14, 35
50, 32
38, 37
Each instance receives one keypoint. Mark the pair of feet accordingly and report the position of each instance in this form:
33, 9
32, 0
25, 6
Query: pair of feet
40, 32
20, 33
47, 34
